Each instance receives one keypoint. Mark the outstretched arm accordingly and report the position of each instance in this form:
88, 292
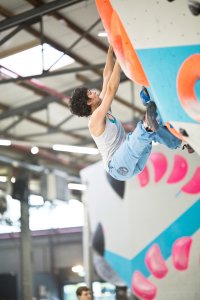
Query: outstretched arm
97, 120
107, 71
111, 89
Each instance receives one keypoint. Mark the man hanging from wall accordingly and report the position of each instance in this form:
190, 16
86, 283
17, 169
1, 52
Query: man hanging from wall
124, 155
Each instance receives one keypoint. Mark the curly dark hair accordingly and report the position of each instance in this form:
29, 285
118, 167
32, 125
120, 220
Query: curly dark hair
78, 103
81, 289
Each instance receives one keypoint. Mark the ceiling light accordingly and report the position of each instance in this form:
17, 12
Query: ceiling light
79, 270
3, 178
77, 186
34, 150
102, 34
5, 142
13, 180
75, 149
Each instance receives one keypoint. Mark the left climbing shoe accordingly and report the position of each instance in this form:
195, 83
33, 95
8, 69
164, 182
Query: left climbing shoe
151, 115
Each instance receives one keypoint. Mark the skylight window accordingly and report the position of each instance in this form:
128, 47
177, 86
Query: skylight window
29, 62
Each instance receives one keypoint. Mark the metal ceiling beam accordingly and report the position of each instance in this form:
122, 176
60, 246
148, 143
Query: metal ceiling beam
53, 73
11, 34
64, 121
59, 47
27, 85
52, 127
27, 108
13, 124
36, 12
72, 162
35, 33
16, 163
73, 26
51, 131
19, 164
76, 42
6, 13
42, 104
41, 122
49, 127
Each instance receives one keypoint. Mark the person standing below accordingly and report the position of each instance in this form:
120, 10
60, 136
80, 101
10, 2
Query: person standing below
83, 293
124, 155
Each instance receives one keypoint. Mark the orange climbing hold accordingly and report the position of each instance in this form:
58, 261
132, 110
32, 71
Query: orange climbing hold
188, 75
121, 43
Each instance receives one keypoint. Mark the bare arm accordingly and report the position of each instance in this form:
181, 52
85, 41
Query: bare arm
97, 121
111, 90
107, 71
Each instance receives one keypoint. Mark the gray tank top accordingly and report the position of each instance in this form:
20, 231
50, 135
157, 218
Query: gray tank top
110, 140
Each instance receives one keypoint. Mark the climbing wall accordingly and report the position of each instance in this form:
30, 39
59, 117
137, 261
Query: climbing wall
147, 229
158, 45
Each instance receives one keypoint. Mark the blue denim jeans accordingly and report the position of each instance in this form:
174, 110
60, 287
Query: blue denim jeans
131, 157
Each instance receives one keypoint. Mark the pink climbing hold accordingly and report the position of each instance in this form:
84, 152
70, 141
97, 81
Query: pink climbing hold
193, 186
142, 287
180, 253
144, 177
159, 162
179, 169
155, 262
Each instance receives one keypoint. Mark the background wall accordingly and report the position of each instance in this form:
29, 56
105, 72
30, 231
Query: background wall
158, 207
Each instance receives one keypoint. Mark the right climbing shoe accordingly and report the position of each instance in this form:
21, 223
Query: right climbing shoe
189, 148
